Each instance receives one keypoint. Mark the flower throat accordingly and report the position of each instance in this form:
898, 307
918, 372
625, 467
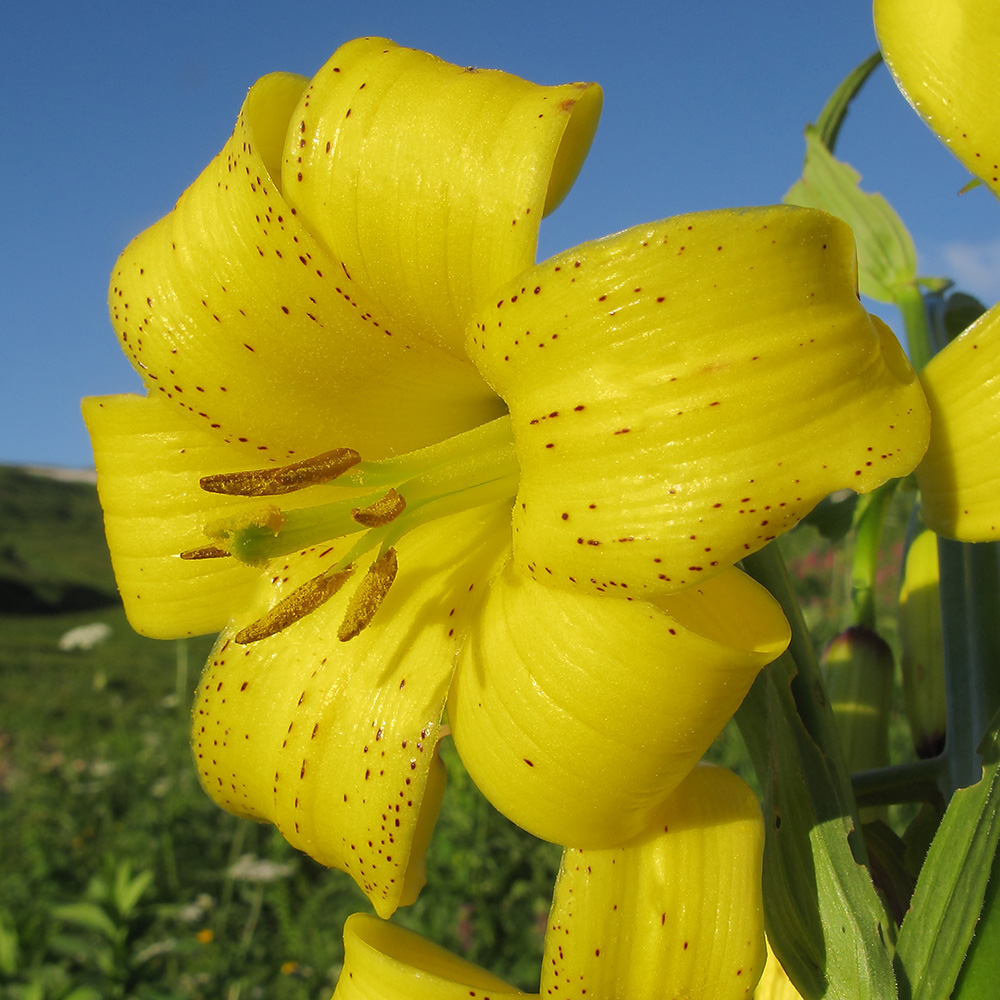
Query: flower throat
469, 470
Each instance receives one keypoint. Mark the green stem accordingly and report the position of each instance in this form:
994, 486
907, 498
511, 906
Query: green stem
914, 781
983, 623
910, 302
181, 676
228, 885
970, 617
864, 566
960, 738
256, 903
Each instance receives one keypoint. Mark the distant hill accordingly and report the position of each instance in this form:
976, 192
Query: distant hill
53, 556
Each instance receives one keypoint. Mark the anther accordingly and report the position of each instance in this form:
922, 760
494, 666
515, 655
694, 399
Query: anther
381, 512
284, 478
368, 597
206, 552
299, 603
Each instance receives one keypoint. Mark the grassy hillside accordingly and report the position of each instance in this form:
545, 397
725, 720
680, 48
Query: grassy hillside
52, 551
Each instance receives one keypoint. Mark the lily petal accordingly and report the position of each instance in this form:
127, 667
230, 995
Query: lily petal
231, 282
149, 457
428, 180
960, 475
943, 55
774, 982
578, 715
682, 393
676, 913
335, 742
386, 962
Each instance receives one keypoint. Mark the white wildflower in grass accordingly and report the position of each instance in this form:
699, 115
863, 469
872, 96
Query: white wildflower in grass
193, 912
160, 787
85, 636
250, 868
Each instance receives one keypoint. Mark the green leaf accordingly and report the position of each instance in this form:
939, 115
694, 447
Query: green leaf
887, 854
981, 970
887, 259
128, 890
83, 993
80, 950
87, 915
835, 110
950, 891
98, 889
9, 944
823, 917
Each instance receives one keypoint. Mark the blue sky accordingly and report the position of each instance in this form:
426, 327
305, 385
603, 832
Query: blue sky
109, 110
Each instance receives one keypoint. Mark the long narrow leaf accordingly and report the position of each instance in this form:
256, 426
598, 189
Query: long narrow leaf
87, 915
835, 110
824, 918
948, 900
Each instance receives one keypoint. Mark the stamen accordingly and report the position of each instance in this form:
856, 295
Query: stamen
285, 478
385, 499
299, 603
370, 593
206, 552
380, 513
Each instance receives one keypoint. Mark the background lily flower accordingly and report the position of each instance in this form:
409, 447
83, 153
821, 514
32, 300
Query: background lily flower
352, 278
774, 983
675, 913
943, 55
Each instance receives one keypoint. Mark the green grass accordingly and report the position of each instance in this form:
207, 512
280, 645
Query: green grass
97, 775
99, 803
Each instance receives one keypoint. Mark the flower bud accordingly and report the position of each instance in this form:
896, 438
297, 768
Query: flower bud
921, 648
858, 670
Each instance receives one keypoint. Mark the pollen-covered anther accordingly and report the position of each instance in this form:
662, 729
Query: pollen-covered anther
370, 594
206, 552
283, 478
299, 603
381, 512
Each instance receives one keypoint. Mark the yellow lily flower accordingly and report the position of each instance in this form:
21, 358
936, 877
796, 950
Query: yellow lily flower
675, 913
944, 56
351, 361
